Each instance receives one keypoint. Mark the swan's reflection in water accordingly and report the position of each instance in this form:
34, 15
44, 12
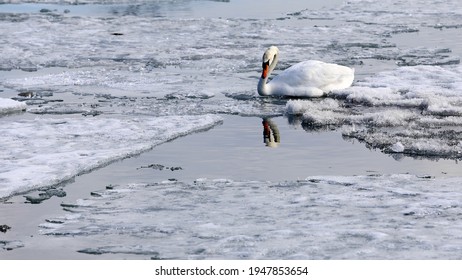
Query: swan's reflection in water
271, 136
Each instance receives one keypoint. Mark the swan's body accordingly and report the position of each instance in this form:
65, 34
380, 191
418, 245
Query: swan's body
309, 78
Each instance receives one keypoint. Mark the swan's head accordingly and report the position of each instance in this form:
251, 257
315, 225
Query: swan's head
268, 57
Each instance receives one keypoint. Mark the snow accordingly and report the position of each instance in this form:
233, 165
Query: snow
10, 106
48, 151
353, 217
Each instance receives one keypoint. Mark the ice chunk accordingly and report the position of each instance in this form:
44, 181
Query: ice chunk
10, 106
393, 107
397, 147
316, 113
11, 244
46, 151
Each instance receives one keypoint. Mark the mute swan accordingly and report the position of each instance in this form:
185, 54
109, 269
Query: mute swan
309, 78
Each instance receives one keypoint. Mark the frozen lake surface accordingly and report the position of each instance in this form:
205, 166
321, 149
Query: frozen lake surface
153, 106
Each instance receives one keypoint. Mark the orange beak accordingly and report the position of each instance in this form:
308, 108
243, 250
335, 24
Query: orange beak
265, 66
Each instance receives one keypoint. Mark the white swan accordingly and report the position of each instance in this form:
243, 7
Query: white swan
309, 78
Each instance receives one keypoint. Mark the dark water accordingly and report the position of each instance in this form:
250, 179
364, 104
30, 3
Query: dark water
236, 150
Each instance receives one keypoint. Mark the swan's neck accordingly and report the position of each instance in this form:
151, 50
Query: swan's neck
263, 88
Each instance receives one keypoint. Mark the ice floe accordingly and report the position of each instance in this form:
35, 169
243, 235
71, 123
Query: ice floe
11, 106
413, 110
46, 151
357, 217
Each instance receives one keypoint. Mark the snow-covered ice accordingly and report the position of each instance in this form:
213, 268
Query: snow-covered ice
419, 107
10, 106
359, 217
47, 151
